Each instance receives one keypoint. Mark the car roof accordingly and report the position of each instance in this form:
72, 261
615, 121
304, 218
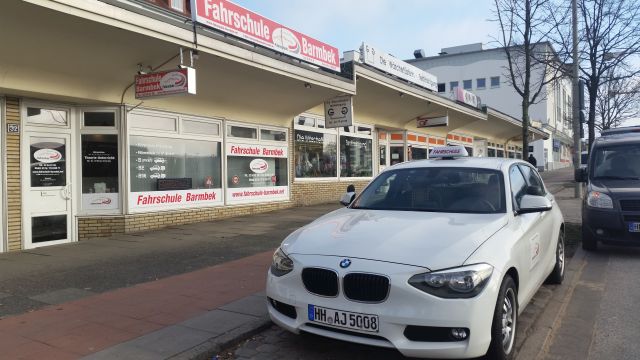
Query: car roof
621, 130
618, 139
463, 162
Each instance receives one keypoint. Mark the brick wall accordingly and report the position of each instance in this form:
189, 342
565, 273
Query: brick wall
321, 192
14, 193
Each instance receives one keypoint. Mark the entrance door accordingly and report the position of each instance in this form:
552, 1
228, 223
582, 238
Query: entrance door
47, 189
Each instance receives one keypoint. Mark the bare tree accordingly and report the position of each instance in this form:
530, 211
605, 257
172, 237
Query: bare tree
533, 64
609, 38
618, 100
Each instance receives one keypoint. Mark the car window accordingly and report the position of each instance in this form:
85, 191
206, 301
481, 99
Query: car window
617, 162
445, 189
533, 180
518, 185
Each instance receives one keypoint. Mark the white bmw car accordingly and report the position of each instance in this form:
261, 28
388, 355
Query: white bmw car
436, 258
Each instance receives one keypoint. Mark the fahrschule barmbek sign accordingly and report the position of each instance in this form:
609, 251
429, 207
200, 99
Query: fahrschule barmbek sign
233, 19
382, 61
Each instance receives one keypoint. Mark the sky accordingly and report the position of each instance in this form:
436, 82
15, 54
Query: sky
396, 26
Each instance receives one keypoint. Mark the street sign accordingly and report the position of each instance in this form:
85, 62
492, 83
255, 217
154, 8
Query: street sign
339, 111
423, 122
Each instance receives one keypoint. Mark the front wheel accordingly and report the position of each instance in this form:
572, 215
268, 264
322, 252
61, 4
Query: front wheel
505, 319
557, 275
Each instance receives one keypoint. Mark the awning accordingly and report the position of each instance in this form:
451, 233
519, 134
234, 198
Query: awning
88, 52
501, 127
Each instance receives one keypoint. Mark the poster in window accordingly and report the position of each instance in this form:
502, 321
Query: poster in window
257, 173
100, 172
48, 162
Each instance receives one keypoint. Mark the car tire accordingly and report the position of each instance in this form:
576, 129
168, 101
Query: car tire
505, 320
589, 243
557, 275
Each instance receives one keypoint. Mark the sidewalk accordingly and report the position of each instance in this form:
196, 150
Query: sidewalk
183, 316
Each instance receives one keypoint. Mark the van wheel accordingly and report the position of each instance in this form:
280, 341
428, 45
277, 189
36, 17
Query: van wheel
505, 319
557, 275
589, 243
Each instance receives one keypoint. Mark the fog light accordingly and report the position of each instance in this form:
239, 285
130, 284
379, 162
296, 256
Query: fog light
600, 232
459, 334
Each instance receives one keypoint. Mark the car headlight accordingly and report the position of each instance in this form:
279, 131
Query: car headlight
597, 199
281, 264
463, 282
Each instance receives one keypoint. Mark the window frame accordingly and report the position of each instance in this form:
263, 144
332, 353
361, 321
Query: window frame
484, 83
491, 81
469, 82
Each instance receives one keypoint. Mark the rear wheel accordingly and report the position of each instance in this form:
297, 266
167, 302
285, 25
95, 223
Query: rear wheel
505, 319
589, 242
557, 275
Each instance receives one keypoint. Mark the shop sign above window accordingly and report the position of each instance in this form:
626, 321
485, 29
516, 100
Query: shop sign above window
423, 121
232, 19
382, 61
162, 83
467, 97
338, 111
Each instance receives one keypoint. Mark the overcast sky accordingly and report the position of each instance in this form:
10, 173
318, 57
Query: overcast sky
396, 26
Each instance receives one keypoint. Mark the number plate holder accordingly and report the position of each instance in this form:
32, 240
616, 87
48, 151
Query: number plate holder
634, 227
344, 319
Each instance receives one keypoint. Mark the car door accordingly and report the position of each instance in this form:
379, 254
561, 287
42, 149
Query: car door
529, 243
548, 234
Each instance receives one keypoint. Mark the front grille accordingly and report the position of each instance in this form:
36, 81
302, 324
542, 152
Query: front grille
347, 332
366, 287
320, 281
630, 205
632, 218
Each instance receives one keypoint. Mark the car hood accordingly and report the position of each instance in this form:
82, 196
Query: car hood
426, 239
618, 188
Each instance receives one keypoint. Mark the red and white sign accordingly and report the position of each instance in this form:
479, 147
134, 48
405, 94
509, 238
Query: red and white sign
467, 97
172, 82
100, 201
233, 19
257, 194
423, 122
235, 149
174, 199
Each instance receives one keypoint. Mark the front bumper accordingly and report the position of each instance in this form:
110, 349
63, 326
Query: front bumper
610, 226
404, 306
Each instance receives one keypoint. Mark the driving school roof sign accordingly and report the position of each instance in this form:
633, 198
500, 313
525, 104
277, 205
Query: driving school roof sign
171, 82
233, 19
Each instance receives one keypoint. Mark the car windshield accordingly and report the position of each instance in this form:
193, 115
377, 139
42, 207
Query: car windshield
621, 162
437, 189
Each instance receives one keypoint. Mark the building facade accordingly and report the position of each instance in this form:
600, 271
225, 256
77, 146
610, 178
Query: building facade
485, 73
83, 156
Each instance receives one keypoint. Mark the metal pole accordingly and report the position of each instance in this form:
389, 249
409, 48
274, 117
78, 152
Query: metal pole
576, 99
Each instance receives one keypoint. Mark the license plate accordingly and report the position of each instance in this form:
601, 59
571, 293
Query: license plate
634, 227
344, 319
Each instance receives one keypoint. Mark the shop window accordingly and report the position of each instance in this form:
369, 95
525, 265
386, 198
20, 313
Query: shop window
481, 83
495, 81
273, 135
100, 169
491, 152
177, 5
200, 127
99, 119
43, 116
453, 85
258, 171
306, 121
315, 154
144, 121
467, 84
48, 162
500, 153
242, 132
355, 157
441, 87
383, 155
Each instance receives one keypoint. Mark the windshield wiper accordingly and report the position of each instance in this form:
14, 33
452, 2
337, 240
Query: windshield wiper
613, 177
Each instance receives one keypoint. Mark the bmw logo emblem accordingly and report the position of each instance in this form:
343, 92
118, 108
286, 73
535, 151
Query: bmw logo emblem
345, 263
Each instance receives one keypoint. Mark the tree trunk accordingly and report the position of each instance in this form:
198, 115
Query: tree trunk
593, 94
525, 128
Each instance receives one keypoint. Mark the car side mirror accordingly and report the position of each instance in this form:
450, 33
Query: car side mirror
534, 203
349, 196
580, 175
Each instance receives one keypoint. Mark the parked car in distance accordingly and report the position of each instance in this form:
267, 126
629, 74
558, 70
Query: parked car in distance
436, 258
611, 205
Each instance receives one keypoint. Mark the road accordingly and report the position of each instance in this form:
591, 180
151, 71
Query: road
601, 312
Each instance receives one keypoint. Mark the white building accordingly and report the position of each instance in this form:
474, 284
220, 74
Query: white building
485, 73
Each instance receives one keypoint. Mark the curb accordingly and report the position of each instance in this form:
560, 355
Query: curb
537, 343
210, 348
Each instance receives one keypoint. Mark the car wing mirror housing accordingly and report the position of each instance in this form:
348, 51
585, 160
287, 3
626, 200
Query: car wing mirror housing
534, 203
349, 196
580, 175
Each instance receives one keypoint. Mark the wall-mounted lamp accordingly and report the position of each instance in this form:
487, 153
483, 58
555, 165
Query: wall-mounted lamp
307, 85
